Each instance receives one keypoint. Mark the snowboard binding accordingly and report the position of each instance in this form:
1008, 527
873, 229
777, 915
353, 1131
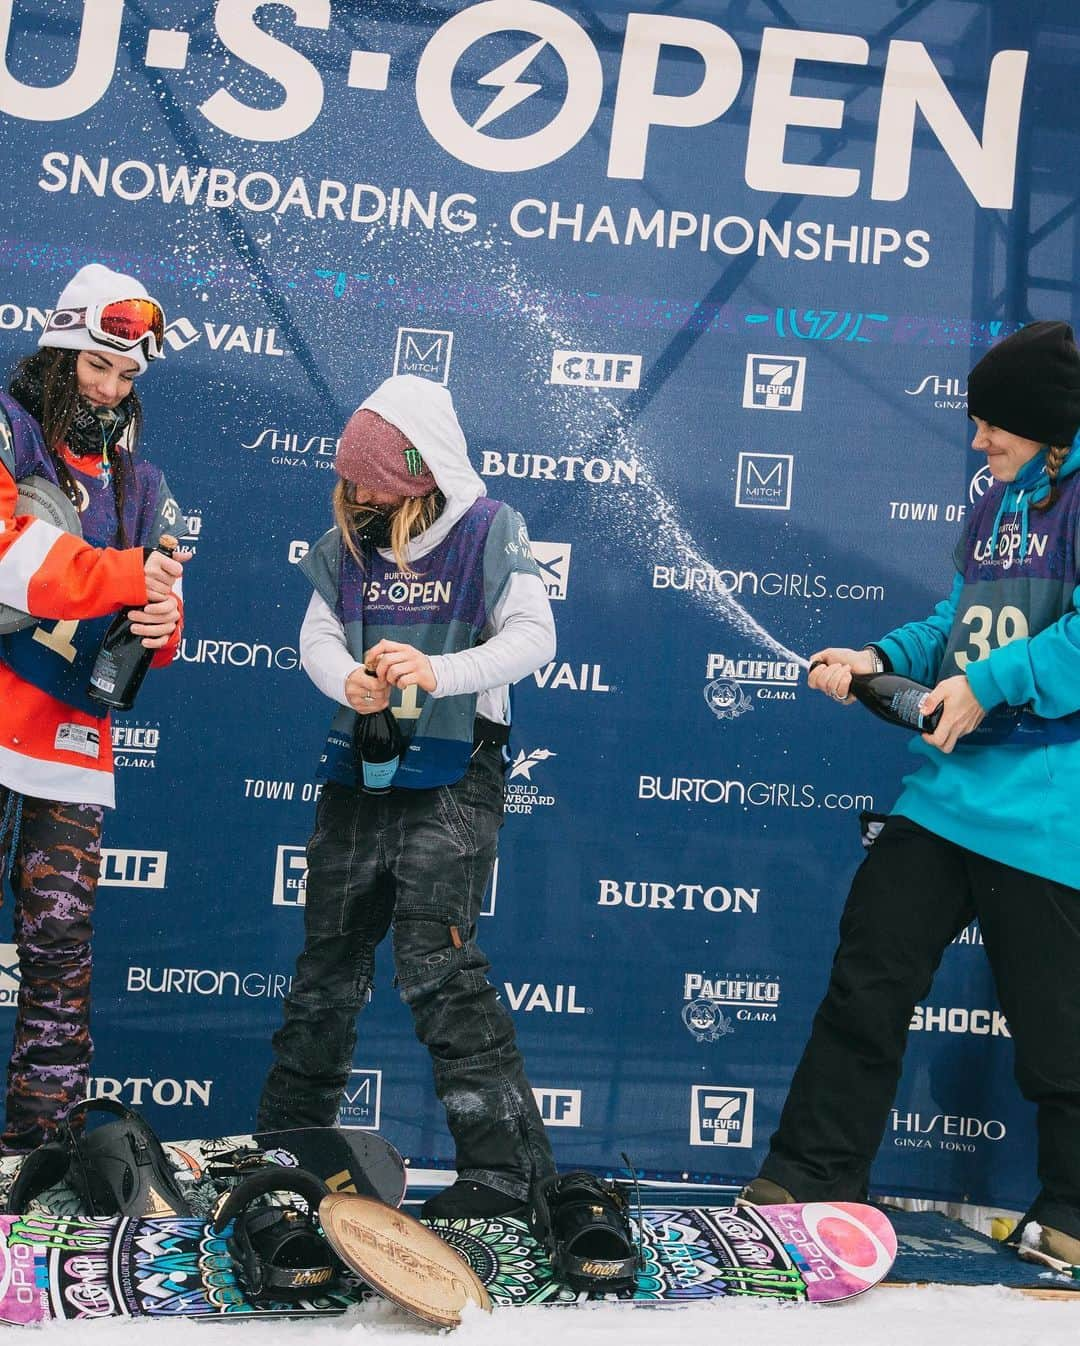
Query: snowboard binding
278, 1250
584, 1224
117, 1169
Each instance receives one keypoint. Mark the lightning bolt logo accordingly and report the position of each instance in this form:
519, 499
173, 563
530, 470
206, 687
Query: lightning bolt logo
505, 78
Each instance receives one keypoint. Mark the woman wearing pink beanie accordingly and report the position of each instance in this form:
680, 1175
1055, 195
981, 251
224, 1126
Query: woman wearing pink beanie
427, 599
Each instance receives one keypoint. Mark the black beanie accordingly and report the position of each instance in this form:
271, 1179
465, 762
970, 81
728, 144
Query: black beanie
1029, 384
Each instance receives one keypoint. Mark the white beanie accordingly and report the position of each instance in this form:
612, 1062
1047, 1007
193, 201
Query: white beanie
90, 285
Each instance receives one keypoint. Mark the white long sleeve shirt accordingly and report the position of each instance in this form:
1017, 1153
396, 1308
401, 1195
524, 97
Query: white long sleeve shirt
518, 639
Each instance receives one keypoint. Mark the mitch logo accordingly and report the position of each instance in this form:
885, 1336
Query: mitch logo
774, 382
361, 1103
764, 481
290, 876
226, 336
559, 1107
424, 351
10, 977
553, 558
133, 869
721, 1115
530, 996
595, 369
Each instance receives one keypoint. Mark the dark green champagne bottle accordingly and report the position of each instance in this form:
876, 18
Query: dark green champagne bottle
123, 659
894, 699
377, 751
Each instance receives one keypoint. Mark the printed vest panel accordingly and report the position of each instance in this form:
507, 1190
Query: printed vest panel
1008, 596
58, 656
441, 609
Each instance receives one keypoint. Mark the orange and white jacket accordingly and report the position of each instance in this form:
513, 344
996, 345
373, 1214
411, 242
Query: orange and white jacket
52, 743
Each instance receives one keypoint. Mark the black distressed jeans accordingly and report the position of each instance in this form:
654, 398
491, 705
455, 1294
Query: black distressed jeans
912, 895
418, 860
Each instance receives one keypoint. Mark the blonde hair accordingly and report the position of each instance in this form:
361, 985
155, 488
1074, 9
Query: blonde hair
409, 520
1055, 458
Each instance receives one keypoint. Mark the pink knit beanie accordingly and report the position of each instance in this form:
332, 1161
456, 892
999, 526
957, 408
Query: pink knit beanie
377, 457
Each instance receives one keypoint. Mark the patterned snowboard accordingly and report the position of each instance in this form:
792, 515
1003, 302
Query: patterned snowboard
346, 1160
52, 1267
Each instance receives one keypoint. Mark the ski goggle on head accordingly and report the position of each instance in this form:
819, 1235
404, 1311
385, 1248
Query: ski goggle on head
121, 324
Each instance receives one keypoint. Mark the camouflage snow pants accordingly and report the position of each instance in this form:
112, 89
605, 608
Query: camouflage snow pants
55, 874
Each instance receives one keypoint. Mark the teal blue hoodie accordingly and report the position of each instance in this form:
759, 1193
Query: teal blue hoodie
1009, 790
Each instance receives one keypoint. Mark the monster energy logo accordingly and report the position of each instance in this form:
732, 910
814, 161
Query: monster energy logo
414, 462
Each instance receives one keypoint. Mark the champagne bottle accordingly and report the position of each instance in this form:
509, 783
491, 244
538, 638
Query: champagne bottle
377, 750
894, 699
123, 659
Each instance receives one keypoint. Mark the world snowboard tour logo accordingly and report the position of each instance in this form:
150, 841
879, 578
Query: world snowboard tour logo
522, 796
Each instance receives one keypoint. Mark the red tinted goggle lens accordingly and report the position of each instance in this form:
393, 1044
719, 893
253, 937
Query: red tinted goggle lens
130, 320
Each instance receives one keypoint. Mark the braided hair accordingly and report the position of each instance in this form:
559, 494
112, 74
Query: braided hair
1055, 458
52, 370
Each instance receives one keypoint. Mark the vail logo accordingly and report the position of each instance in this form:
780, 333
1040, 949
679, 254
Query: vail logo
578, 677
536, 996
522, 765
774, 382
181, 333
361, 1103
290, 877
424, 351
553, 558
595, 369
10, 977
559, 1107
764, 481
721, 1115
133, 869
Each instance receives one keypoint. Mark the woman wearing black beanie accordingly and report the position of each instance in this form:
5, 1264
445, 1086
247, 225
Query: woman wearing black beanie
986, 826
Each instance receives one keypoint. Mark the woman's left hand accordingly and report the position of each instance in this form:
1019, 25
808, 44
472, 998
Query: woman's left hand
961, 714
401, 665
156, 622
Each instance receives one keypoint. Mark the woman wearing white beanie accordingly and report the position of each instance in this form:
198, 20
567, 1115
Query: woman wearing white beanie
72, 417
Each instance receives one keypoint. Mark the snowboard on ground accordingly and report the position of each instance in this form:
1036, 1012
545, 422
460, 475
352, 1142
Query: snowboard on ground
346, 1160
57, 1267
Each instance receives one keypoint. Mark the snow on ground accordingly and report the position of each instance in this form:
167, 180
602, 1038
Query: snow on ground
883, 1317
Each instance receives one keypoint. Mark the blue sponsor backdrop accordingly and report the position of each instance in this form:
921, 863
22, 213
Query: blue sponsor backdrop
705, 284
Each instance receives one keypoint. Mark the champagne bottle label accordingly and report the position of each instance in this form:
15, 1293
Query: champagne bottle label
379, 775
905, 706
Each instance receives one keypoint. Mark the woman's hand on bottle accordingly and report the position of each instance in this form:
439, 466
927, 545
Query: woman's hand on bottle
401, 665
162, 572
156, 622
834, 667
365, 692
961, 712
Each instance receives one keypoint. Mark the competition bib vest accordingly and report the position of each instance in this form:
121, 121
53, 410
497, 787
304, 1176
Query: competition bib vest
57, 656
1012, 591
441, 608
